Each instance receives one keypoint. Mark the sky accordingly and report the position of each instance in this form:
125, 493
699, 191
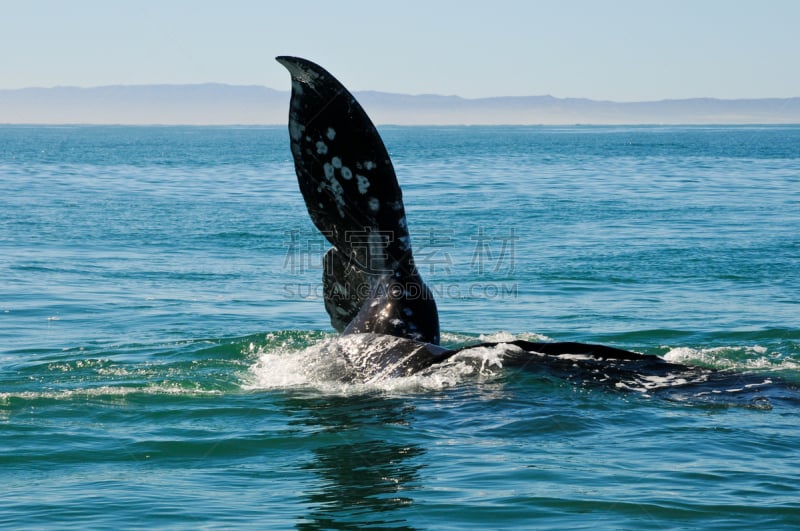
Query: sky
619, 50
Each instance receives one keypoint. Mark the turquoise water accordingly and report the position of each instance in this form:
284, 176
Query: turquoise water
159, 292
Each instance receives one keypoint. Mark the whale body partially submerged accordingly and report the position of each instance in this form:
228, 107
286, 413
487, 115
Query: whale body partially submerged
374, 294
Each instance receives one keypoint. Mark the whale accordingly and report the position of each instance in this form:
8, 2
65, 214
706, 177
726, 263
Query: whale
377, 301
371, 285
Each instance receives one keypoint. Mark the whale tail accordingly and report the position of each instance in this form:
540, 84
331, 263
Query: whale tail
350, 188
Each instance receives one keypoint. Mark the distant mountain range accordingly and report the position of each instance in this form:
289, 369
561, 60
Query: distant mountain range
218, 104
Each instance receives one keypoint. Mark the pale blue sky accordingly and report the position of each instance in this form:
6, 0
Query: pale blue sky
624, 50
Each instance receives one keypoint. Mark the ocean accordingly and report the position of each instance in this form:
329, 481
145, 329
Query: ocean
160, 300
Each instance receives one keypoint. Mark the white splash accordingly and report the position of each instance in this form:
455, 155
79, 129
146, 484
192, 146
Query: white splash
754, 357
502, 335
324, 367
107, 391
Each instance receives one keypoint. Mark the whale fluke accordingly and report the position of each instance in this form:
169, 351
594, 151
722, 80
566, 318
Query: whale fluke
350, 189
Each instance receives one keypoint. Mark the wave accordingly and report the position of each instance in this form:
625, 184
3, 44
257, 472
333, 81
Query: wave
749, 376
304, 362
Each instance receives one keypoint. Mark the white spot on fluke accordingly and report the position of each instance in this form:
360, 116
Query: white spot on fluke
338, 196
328, 169
331, 134
363, 184
337, 162
322, 148
346, 173
373, 204
296, 130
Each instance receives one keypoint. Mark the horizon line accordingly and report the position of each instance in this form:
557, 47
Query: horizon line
381, 92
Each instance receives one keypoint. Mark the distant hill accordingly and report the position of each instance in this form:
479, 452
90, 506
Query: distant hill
145, 104
217, 104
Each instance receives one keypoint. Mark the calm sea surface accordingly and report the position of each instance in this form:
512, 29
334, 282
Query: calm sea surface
160, 287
